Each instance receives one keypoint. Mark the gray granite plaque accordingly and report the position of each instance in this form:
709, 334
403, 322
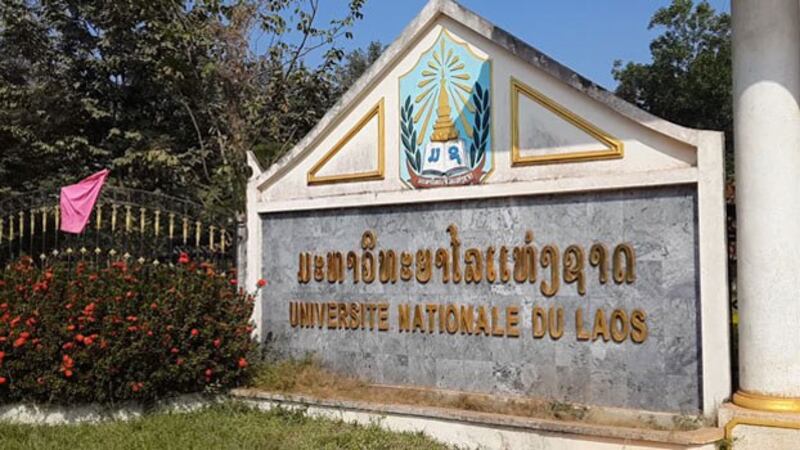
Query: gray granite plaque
662, 373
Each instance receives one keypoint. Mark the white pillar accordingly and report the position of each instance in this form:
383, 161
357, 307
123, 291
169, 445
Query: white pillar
252, 263
766, 89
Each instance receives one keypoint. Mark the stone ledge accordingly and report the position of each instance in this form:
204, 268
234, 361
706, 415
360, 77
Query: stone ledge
731, 416
698, 437
50, 414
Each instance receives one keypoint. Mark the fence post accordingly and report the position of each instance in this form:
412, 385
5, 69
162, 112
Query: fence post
241, 250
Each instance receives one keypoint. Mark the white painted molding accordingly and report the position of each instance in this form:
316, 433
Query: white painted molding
254, 165
713, 263
539, 187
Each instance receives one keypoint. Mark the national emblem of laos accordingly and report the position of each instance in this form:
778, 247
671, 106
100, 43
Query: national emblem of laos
445, 117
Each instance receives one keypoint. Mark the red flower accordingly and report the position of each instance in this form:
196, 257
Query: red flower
242, 363
40, 381
153, 306
261, 283
234, 282
88, 341
20, 342
2, 355
89, 309
40, 286
209, 372
179, 362
183, 258
66, 365
3, 380
79, 337
195, 332
173, 350
136, 387
70, 327
217, 342
68, 346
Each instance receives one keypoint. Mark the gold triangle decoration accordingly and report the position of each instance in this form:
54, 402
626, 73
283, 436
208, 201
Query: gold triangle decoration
613, 148
377, 174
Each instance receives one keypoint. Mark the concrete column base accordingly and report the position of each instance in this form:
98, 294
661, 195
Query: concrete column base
760, 402
749, 429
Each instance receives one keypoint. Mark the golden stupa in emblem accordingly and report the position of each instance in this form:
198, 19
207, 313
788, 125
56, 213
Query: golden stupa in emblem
444, 155
443, 129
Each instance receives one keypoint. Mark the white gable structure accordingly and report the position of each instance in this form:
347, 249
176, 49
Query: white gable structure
552, 132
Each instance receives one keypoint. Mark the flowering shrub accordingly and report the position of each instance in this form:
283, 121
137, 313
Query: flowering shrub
73, 334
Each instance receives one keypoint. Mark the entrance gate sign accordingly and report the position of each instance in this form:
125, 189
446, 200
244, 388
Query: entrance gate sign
472, 215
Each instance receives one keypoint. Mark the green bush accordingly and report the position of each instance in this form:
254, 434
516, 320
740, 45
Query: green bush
74, 334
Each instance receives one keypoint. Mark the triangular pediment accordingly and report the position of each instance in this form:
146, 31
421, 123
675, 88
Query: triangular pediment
455, 107
543, 131
357, 156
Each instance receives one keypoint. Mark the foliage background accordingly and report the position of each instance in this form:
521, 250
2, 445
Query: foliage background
168, 94
689, 80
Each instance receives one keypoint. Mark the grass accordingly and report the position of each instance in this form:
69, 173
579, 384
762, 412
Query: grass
225, 426
304, 376
307, 377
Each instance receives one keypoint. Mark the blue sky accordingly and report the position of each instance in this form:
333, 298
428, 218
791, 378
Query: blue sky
585, 35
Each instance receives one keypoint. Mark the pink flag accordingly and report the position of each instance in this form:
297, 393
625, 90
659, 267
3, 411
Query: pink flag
77, 201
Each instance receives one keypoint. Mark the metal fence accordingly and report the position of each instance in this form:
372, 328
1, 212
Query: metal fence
126, 224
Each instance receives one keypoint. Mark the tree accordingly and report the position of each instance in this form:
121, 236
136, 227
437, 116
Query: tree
169, 94
356, 63
313, 93
689, 80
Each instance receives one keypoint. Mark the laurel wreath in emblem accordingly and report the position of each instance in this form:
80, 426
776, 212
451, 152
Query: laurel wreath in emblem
480, 129
480, 124
409, 135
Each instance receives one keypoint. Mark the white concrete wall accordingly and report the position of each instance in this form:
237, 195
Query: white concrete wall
656, 153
